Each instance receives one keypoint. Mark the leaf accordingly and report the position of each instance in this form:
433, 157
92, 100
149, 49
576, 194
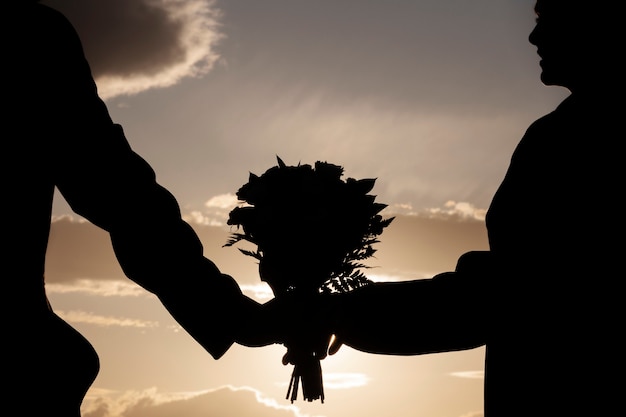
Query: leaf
387, 222
234, 238
254, 254
366, 185
378, 207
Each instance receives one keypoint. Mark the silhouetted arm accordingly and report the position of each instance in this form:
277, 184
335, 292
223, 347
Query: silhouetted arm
444, 313
155, 247
104, 181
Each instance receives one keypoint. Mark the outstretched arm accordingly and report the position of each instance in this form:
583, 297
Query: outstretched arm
444, 313
86, 156
155, 247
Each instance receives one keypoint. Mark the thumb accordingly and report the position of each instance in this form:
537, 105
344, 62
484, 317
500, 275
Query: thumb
335, 344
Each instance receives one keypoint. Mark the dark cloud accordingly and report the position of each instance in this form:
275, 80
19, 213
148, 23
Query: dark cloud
136, 45
124, 37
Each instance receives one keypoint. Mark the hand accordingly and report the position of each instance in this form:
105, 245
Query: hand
301, 323
258, 324
307, 339
298, 323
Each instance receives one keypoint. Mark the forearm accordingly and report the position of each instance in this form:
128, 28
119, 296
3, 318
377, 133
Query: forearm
208, 304
413, 317
167, 260
210, 307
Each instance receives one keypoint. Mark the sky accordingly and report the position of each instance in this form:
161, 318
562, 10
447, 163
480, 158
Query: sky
428, 97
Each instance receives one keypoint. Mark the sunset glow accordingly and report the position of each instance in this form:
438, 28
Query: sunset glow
427, 97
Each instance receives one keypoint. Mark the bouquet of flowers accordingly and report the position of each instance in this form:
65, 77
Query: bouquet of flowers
312, 232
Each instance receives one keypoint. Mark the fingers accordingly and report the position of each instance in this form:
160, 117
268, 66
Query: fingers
287, 358
319, 350
335, 344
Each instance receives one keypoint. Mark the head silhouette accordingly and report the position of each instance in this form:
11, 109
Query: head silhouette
579, 43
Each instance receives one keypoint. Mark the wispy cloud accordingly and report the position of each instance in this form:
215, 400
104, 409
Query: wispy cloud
340, 380
260, 292
216, 211
469, 374
226, 400
103, 288
344, 380
74, 316
223, 201
460, 209
474, 414
450, 209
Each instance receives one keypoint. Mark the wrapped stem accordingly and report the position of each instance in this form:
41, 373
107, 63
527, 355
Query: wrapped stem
308, 371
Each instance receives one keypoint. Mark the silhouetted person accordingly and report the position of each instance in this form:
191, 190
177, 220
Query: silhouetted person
58, 133
545, 300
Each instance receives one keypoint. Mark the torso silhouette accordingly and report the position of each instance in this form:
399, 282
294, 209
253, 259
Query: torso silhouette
53, 113
545, 299
553, 315
58, 133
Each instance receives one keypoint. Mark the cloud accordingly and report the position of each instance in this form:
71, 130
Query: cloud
74, 316
260, 292
102, 288
340, 380
463, 210
216, 211
344, 380
134, 46
450, 209
469, 374
114, 288
210, 218
474, 414
227, 400
223, 201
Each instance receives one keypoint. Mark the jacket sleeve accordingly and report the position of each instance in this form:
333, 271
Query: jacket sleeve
439, 314
106, 182
155, 247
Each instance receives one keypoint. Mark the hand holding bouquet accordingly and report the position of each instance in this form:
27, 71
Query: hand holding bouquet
312, 231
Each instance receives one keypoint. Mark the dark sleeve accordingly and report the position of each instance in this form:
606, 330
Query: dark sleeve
443, 313
110, 185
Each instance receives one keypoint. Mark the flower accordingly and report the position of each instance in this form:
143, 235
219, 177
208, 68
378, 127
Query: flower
312, 232
307, 215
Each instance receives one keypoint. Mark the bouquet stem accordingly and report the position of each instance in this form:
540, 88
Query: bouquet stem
308, 371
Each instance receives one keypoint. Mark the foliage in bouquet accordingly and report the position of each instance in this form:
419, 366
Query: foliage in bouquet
312, 229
